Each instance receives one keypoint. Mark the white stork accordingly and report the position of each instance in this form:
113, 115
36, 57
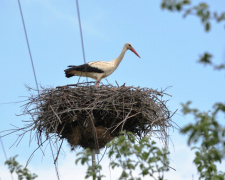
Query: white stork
99, 69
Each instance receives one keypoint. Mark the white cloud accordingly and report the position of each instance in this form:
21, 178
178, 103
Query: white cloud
5, 174
181, 159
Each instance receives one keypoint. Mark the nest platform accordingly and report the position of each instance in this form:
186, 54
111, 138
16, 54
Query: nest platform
90, 117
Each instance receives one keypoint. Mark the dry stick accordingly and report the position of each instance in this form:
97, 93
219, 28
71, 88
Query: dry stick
58, 153
126, 118
56, 168
56, 115
76, 85
102, 156
95, 135
34, 152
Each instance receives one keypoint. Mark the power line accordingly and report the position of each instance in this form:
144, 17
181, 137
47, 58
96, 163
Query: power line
33, 71
81, 36
32, 63
3, 148
28, 45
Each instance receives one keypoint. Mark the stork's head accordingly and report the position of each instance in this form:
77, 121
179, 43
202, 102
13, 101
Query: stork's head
130, 47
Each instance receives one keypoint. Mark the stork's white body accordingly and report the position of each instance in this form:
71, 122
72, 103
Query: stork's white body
108, 68
98, 69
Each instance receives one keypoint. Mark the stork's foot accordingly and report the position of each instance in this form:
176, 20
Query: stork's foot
97, 84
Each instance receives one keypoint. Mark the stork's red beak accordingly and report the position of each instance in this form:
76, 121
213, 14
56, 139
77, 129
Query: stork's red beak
133, 50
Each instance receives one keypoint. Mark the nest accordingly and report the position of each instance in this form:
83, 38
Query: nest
90, 117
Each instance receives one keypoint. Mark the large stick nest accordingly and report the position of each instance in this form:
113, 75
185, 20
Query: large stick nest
90, 117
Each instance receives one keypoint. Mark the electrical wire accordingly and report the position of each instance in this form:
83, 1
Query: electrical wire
33, 68
4, 152
3, 148
32, 63
81, 37
28, 45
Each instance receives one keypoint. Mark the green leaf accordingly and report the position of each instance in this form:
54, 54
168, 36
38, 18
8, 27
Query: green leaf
221, 17
219, 67
187, 12
207, 26
145, 156
178, 6
151, 160
186, 2
206, 59
144, 172
124, 174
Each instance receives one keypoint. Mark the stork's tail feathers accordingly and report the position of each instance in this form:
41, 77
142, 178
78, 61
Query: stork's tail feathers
68, 75
67, 71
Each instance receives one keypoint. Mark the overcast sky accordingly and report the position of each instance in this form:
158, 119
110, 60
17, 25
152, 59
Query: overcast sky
168, 44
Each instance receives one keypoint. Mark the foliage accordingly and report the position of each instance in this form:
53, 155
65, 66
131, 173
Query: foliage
174, 5
201, 11
206, 59
211, 136
150, 158
132, 156
207, 134
22, 173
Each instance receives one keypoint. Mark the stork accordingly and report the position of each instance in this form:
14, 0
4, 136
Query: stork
99, 69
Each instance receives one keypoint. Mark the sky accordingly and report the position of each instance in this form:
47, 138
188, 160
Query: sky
169, 46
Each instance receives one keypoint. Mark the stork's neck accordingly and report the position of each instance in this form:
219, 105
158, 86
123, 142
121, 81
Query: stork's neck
120, 58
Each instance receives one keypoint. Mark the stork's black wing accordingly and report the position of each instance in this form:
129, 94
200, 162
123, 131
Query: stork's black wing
81, 68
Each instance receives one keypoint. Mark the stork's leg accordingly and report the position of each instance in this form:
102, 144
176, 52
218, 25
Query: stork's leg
97, 83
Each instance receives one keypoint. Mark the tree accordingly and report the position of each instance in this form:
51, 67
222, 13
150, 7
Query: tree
211, 134
206, 131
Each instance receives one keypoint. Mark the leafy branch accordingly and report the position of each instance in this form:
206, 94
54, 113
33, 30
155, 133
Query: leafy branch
201, 11
131, 156
206, 59
210, 134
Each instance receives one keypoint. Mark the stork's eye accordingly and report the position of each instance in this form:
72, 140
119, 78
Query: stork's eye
130, 45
